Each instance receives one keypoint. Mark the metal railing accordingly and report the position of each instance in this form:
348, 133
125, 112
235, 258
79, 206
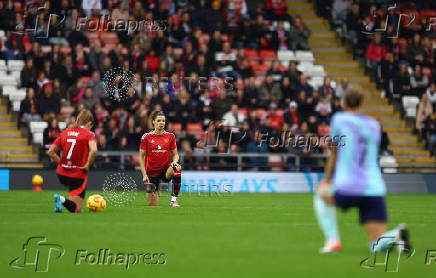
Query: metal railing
233, 161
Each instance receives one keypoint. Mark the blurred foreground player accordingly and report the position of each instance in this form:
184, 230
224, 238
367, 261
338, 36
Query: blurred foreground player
353, 179
79, 149
154, 159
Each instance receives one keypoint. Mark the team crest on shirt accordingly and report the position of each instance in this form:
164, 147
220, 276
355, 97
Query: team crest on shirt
166, 140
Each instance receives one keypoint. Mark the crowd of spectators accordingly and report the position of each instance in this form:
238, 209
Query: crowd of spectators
398, 43
192, 63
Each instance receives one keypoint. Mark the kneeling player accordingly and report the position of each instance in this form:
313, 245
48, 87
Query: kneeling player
154, 159
357, 180
79, 149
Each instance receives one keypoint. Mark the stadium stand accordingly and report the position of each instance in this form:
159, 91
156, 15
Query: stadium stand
45, 78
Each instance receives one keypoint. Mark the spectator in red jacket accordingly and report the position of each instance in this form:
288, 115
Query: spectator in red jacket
375, 53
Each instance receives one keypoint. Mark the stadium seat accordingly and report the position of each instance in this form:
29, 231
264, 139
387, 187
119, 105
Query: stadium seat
17, 95
3, 65
38, 138
109, 37
260, 69
66, 50
62, 125
305, 67
243, 111
177, 127
427, 71
260, 112
285, 55
409, 105
267, 54
85, 80
16, 105
388, 161
428, 13
276, 162
323, 130
7, 90
15, 65
304, 56
316, 82
46, 49
36, 127
316, 71
251, 53
92, 36
194, 128
8, 80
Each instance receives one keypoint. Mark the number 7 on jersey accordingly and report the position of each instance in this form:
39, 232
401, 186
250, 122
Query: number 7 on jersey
73, 143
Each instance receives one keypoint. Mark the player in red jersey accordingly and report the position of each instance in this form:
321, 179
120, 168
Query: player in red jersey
79, 149
154, 159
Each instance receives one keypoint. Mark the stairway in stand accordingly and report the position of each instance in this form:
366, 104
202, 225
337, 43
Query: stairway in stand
14, 150
409, 153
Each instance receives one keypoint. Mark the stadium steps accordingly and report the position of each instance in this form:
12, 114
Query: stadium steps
14, 148
338, 63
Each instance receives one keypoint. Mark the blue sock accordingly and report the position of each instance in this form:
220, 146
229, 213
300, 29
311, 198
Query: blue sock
383, 243
326, 215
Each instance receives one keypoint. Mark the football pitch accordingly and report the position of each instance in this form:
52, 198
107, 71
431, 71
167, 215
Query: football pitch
242, 235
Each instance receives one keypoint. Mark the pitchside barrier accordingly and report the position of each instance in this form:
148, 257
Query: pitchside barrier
221, 183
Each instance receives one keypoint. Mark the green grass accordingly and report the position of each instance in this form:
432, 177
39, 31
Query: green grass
244, 235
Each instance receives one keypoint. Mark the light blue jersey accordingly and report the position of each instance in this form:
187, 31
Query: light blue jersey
357, 170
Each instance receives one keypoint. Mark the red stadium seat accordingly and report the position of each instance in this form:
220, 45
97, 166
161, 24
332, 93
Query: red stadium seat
323, 130
428, 13
267, 54
260, 69
177, 127
427, 71
260, 112
243, 111
92, 36
194, 128
109, 37
280, 112
251, 53
66, 50
85, 80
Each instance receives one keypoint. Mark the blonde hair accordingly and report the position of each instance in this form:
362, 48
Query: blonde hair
85, 116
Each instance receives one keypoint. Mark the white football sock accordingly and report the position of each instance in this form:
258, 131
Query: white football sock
62, 199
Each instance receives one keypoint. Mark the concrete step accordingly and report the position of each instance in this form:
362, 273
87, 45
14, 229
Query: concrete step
323, 34
404, 148
21, 165
397, 129
337, 63
407, 145
340, 70
352, 77
317, 20
299, 4
324, 44
332, 56
8, 125
13, 141
301, 12
330, 40
421, 153
10, 134
15, 149
318, 25
328, 49
402, 138
5, 118
381, 114
18, 157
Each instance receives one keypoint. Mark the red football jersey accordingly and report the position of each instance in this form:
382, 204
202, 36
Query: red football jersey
74, 143
157, 151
